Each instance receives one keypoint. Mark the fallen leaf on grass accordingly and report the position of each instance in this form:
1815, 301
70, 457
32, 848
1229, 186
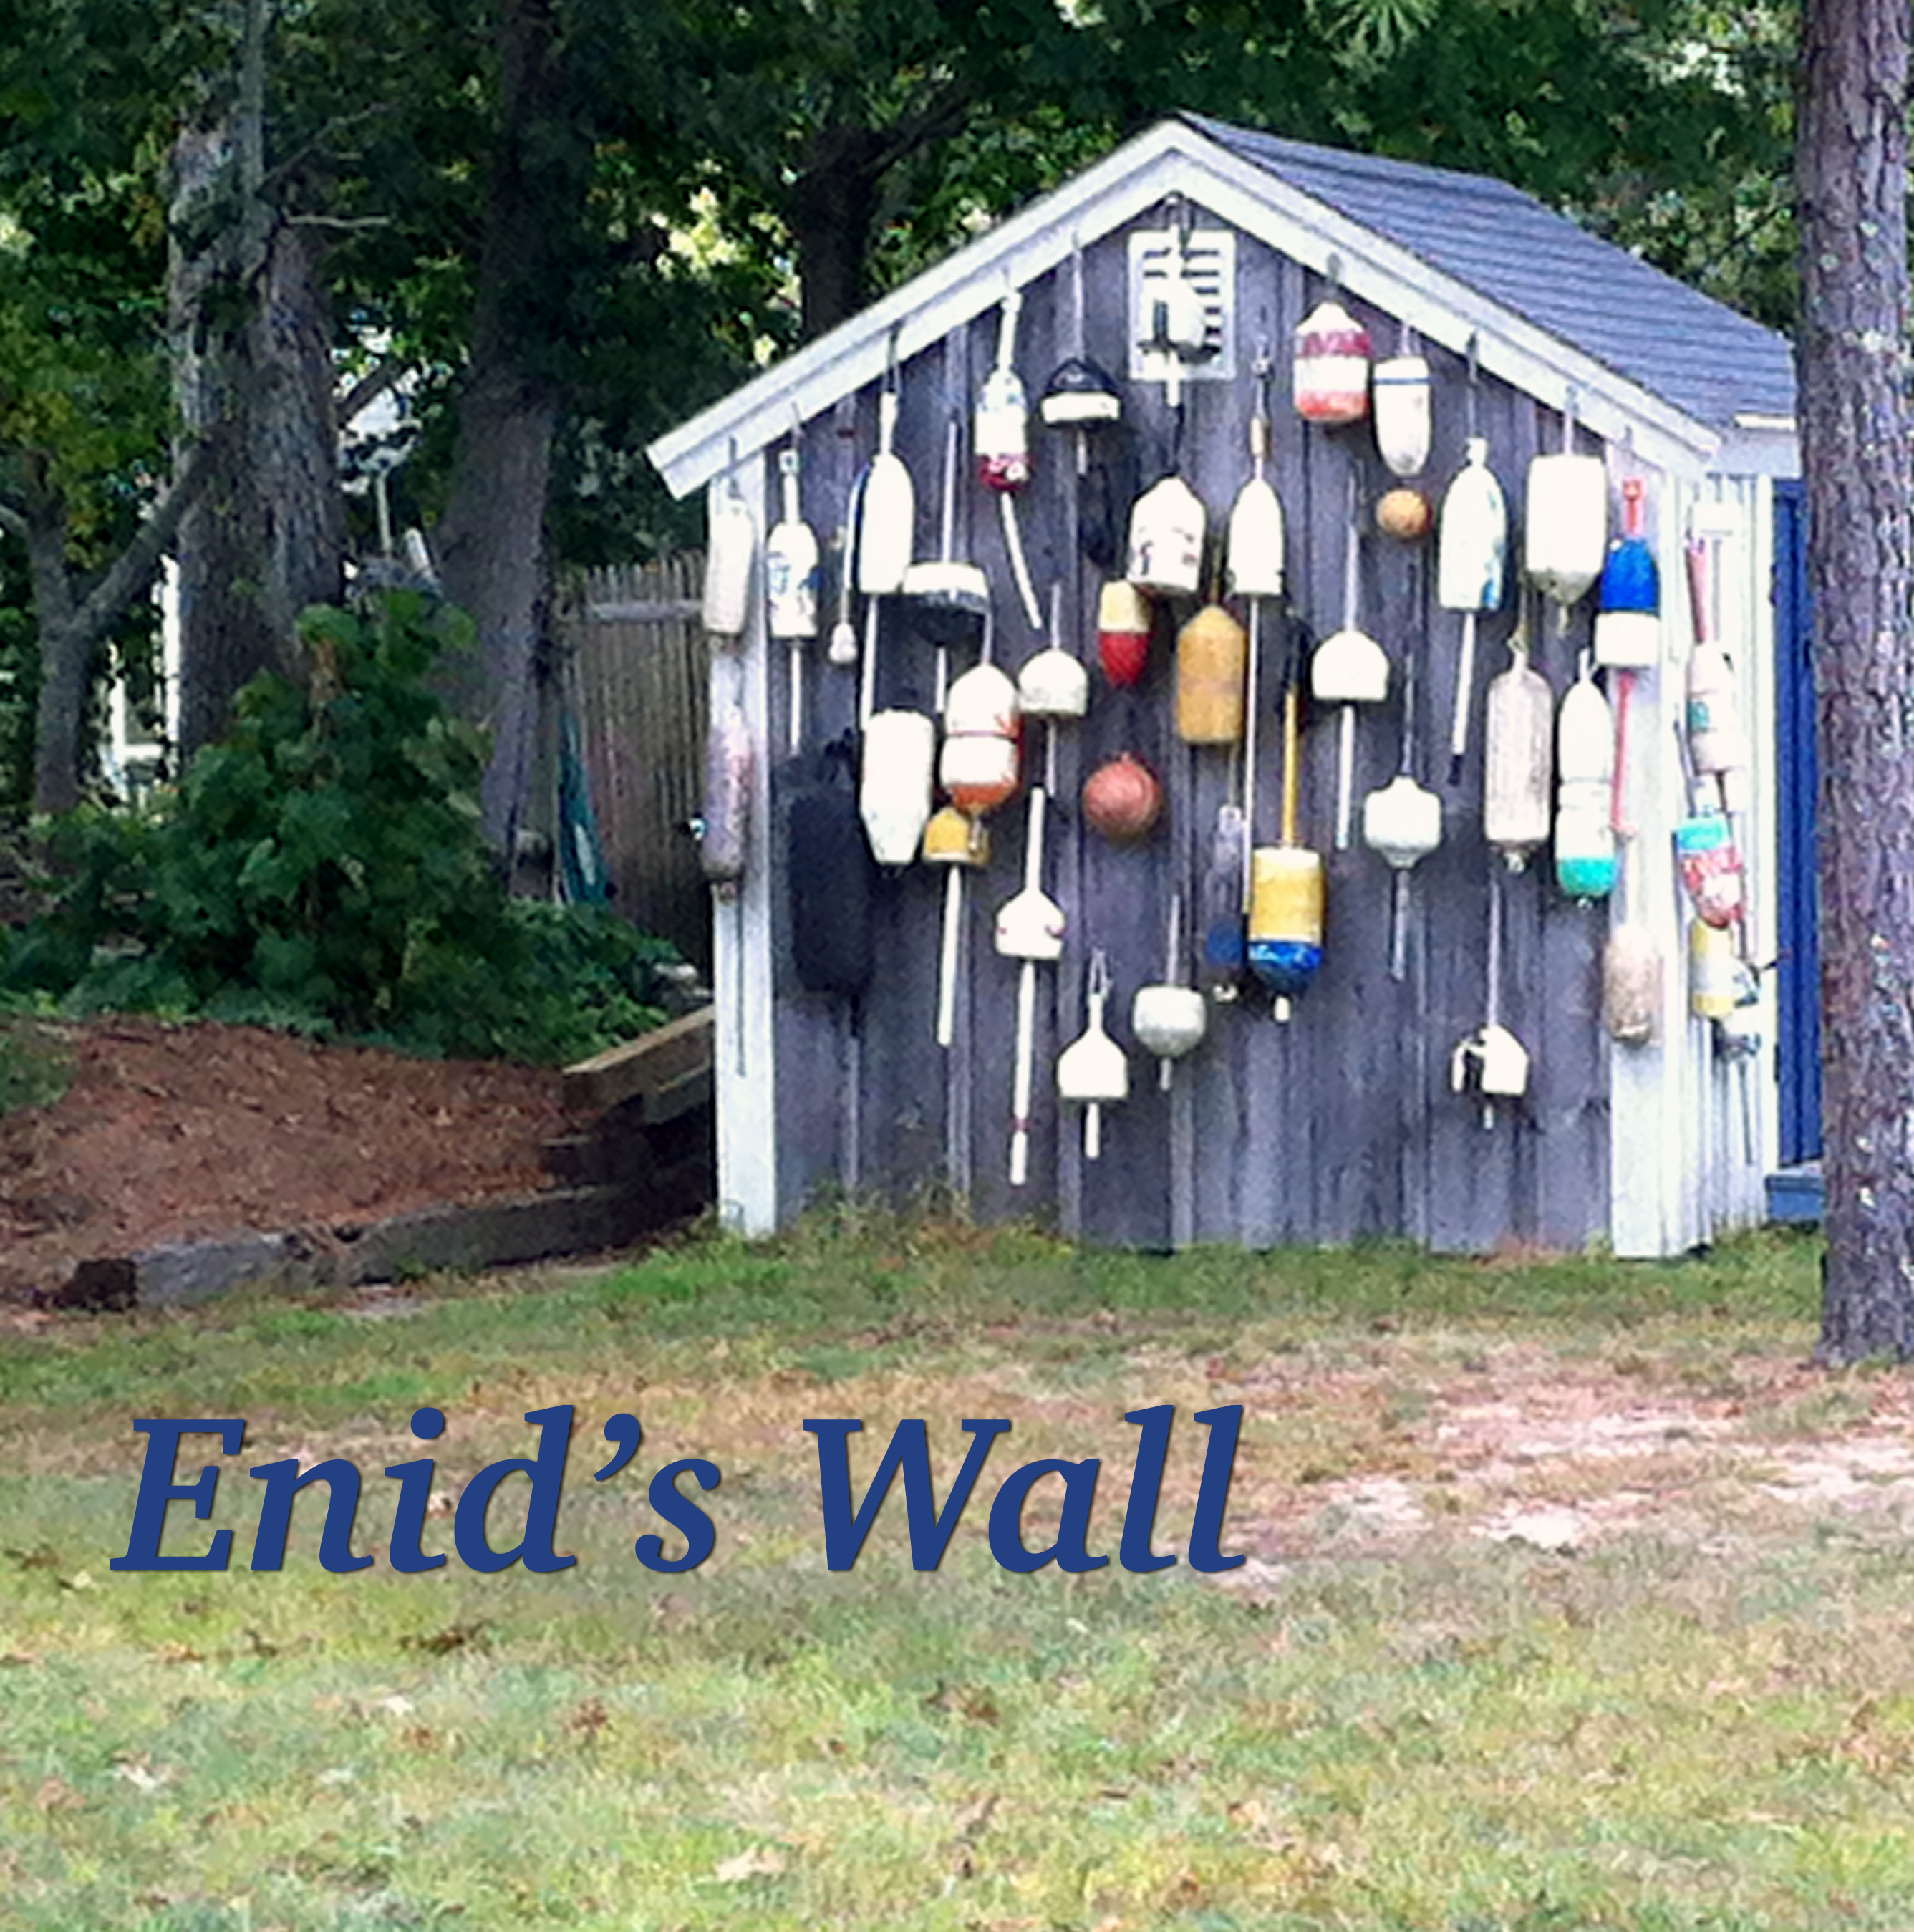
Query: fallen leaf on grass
443, 1643
177, 1653
974, 1819
18, 1660
55, 1795
42, 1556
760, 1861
977, 1706
588, 1719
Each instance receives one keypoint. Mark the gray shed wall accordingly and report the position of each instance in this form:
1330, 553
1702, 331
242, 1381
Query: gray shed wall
1339, 1125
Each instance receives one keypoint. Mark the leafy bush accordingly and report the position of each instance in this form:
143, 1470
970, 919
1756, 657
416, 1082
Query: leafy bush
322, 867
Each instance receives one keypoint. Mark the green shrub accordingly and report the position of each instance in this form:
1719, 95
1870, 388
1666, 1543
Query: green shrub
322, 867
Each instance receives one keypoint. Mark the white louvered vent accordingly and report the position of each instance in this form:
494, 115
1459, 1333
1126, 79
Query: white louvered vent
1209, 263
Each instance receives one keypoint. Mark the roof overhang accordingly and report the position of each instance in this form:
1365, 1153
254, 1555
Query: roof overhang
1173, 158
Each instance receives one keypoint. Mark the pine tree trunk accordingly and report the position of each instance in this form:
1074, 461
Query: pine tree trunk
1852, 182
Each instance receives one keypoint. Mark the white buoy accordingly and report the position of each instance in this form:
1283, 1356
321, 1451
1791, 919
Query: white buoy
1169, 1019
1093, 1071
1471, 547
1349, 668
1030, 927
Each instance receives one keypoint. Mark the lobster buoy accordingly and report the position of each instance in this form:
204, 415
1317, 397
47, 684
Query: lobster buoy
982, 738
725, 830
1001, 435
1710, 862
1717, 743
729, 550
1628, 608
959, 843
791, 564
1403, 821
1566, 525
1166, 527
1515, 759
1332, 366
1401, 387
1584, 857
1472, 546
1256, 537
1405, 515
1093, 1071
827, 871
1286, 920
887, 509
894, 788
1631, 985
1471, 554
1712, 971
1052, 683
1123, 620
1169, 1019
1122, 799
1212, 662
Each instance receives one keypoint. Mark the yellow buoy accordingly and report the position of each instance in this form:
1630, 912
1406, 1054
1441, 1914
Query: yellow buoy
1212, 659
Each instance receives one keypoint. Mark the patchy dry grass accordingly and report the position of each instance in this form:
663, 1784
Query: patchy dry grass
1573, 1599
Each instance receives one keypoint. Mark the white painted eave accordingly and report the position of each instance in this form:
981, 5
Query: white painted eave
1173, 158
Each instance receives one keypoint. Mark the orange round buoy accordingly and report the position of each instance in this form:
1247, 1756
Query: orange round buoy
1122, 799
1405, 515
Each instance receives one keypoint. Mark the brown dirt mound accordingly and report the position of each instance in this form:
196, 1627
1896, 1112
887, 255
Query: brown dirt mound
170, 1132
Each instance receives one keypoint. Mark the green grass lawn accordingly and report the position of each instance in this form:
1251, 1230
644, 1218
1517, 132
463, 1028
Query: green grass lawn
1573, 1599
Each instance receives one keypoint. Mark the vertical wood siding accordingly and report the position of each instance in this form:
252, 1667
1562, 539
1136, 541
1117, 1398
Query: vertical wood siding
1340, 1125
636, 667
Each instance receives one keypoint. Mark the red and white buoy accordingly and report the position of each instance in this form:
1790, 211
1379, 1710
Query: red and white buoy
791, 584
1002, 440
1331, 373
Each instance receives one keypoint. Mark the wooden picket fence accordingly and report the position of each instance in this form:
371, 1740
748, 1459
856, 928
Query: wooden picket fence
635, 659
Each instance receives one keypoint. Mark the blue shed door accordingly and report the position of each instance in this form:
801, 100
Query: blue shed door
1797, 971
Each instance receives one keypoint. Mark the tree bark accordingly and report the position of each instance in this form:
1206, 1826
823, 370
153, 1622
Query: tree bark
71, 628
490, 542
1851, 179
832, 209
251, 331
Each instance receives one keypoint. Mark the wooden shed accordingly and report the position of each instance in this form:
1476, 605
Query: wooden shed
1343, 1123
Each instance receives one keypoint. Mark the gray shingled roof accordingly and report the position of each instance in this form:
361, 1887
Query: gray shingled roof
1684, 346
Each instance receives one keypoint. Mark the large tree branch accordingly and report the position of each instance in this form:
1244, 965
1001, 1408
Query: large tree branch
133, 570
370, 388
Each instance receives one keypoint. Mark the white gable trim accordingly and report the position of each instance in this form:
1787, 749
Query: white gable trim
1173, 158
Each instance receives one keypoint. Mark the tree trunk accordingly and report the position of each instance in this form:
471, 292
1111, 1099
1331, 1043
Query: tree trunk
492, 562
71, 628
832, 210
1851, 183
490, 542
252, 362
65, 656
